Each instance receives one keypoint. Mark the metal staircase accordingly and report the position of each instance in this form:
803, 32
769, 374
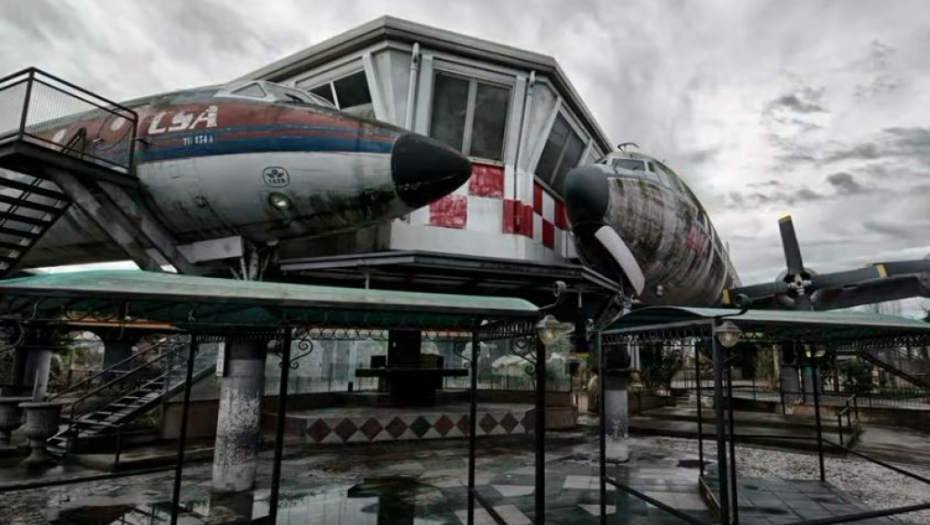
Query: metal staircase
61, 144
913, 369
113, 398
29, 206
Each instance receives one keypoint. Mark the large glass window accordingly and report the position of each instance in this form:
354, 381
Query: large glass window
349, 94
470, 116
561, 153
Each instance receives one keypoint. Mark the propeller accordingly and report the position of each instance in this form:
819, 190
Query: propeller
891, 280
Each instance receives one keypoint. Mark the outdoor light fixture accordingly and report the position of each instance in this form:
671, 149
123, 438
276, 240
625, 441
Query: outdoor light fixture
816, 353
279, 201
549, 330
728, 334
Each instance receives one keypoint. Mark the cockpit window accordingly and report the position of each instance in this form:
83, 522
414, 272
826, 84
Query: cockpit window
630, 164
253, 90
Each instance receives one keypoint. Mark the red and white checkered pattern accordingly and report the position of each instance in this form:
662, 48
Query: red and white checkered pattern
483, 205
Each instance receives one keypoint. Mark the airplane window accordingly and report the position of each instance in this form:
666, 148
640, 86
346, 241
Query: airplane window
252, 90
630, 164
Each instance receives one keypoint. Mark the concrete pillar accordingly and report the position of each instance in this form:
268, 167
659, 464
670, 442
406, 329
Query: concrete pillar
42, 365
808, 375
790, 383
617, 411
238, 426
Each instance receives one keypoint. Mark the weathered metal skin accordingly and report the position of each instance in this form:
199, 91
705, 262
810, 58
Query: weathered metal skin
664, 226
209, 163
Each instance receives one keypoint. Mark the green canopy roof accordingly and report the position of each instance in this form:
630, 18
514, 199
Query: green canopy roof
175, 298
772, 324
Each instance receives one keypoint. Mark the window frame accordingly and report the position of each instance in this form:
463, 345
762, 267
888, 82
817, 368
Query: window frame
573, 128
473, 81
331, 82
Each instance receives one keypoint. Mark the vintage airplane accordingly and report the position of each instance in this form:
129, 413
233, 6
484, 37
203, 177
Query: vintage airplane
634, 219
257, 161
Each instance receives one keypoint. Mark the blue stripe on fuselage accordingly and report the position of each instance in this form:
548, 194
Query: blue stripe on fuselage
261, 144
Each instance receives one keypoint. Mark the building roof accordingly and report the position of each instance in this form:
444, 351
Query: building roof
168, 297
390, 28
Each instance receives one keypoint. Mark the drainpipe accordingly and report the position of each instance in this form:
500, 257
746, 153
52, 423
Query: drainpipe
412, 87
527, 107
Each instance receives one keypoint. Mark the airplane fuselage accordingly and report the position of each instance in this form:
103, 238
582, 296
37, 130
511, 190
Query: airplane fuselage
636, 220
215, 162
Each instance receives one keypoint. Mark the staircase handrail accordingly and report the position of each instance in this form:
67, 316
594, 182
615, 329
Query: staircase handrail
133, 372
902, 354
111, 370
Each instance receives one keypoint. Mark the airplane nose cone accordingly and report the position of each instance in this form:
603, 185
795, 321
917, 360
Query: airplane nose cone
587, 195
425, 170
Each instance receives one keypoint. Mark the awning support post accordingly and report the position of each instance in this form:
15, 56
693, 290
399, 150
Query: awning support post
816, 380
602, 416
700, 411
472, 425
279, 430
732, 437
722, 471
182, 436
540, 494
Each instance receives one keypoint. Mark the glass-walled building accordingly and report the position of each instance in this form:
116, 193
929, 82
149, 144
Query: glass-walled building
513, 112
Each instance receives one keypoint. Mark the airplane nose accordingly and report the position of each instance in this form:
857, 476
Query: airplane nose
425, 170
587, 195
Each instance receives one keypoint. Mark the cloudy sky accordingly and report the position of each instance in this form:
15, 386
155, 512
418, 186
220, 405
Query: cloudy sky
818, 109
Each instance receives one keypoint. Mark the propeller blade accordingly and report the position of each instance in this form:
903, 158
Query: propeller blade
845, 278
756, 291
904, 267
789, 241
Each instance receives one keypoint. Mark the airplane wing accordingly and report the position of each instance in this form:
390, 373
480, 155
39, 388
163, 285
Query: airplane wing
803, 289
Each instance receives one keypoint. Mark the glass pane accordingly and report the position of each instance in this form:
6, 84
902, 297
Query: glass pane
252, 90
352, 90
630, 164
324, 91
450, 102
487, 135
546, 167
573, 151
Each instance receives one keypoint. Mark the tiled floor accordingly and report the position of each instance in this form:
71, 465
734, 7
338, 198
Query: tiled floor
424, 485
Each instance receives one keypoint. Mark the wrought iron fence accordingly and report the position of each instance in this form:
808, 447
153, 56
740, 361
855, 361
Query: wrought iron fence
46, 111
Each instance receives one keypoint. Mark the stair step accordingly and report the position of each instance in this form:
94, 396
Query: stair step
13, 232
23, 219
38, 190
28, 204
13, 246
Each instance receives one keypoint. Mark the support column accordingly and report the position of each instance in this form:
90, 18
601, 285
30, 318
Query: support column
19, 380
616, 377
617, 413
808, 376
42, 366
238, 426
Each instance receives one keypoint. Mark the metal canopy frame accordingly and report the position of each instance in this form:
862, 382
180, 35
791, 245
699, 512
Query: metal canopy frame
299, 322
820, 330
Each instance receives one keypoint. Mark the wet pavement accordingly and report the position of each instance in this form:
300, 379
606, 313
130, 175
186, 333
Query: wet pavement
391, 483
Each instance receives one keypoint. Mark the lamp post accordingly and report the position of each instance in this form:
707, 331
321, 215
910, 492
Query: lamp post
548, 331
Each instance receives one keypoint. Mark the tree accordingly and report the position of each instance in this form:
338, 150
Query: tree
659, 366
857, 375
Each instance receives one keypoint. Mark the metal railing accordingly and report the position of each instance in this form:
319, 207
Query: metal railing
46, 111
115, 371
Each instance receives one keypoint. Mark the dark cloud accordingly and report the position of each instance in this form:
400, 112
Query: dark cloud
845, 183
790, 197
896, 231
908, 143
804, 100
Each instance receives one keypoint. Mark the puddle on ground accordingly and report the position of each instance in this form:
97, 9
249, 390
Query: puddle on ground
376, 501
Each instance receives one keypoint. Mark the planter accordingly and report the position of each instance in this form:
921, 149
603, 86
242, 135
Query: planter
41, 423
11, 418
